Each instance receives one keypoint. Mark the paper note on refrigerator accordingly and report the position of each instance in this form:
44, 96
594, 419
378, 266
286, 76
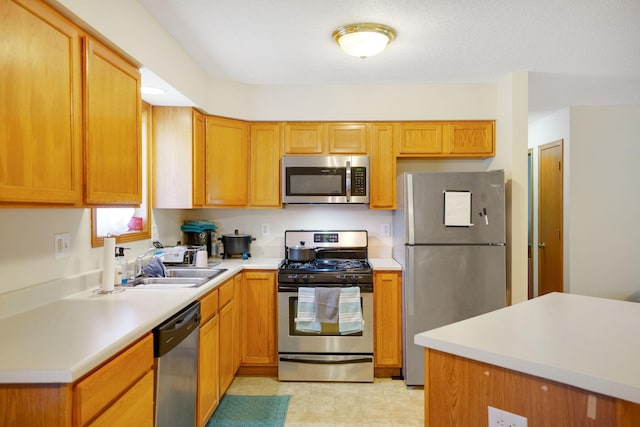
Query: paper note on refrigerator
457, 209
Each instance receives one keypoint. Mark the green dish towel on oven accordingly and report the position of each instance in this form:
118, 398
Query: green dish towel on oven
306, 320
349, 311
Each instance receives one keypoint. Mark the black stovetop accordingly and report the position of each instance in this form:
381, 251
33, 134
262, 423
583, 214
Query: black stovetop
326, 272
327, 265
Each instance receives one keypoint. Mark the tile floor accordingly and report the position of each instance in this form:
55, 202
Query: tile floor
385, 402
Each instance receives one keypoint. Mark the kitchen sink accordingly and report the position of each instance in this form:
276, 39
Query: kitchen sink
193, 272
177, 278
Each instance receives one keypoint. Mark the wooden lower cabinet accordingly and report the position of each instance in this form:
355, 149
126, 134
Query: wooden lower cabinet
134, 408
94, 394
208, 365
237, 319
118, 393
226, 345
458, 391
387, 301
259, 317
208, 358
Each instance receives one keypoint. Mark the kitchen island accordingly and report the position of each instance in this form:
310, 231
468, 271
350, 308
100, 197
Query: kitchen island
559, 359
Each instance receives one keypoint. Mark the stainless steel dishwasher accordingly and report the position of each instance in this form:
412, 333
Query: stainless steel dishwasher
176, 353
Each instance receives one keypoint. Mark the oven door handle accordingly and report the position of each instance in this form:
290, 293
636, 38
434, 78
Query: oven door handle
326, 362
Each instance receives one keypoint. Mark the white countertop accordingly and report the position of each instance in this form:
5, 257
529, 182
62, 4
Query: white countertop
384, 264
61, 340
590, 343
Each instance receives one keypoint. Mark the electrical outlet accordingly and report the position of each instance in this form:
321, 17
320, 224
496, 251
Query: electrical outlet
500, 418
62, 245
265, 229
385, 230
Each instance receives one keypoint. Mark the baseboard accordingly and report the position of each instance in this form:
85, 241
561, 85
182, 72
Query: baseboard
387, 372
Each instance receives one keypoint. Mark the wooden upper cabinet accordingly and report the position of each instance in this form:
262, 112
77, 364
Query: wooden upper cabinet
178, 157
40, 106
471, 138
226, 158
303, 138
264, 150
382, 165
419, 139
347, 138
315, 138
464, 139
113, 143
198, 159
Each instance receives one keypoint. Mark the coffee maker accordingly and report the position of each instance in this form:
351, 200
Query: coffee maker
201, 238
201, 233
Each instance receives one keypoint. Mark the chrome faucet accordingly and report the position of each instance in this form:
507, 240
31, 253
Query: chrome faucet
140, 261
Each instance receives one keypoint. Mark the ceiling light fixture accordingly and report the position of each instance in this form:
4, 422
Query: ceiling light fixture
148, 90
363, 40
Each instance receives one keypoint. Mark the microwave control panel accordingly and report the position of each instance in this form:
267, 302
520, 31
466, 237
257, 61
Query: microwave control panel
358, 181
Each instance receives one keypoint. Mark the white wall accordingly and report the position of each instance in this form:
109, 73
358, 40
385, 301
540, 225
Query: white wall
27, 250
600, 189
354, 102
129, 26
604, 205
296, 217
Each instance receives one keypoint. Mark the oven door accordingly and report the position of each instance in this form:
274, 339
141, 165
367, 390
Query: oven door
327, 355
328, 340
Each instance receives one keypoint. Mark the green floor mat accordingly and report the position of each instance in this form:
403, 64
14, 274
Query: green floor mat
250, 411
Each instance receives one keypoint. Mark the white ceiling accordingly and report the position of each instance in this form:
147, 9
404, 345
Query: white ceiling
578, 52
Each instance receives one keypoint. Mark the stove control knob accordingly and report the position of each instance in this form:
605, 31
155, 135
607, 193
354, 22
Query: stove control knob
342, 277
354, 278
293, 277
305, 278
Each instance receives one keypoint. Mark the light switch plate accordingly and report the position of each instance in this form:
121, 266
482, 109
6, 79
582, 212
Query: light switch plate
62, 245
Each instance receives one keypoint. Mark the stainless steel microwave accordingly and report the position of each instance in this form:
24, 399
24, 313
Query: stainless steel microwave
325, 179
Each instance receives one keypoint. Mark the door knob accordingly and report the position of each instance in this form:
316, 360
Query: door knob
542, 245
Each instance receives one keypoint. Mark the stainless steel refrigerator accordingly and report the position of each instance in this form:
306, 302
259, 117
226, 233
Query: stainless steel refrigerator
449, 236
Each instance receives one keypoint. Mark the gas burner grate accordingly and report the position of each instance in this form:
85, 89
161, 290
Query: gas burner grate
328, 265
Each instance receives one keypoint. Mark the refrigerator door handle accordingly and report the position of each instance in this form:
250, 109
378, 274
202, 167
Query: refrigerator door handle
410, 214
408, 283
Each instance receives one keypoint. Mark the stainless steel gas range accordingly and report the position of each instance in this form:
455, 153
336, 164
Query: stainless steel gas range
325, 308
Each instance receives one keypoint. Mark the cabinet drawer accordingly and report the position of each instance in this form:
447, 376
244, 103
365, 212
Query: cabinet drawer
103, 386
208, 305
134, 408
226, 292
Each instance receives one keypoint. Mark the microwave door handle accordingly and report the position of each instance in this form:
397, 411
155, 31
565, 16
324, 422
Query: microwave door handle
348, 182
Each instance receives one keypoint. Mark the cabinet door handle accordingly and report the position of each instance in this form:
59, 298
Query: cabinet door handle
542, 245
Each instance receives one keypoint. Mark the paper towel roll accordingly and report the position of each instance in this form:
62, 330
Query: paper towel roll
108, 264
